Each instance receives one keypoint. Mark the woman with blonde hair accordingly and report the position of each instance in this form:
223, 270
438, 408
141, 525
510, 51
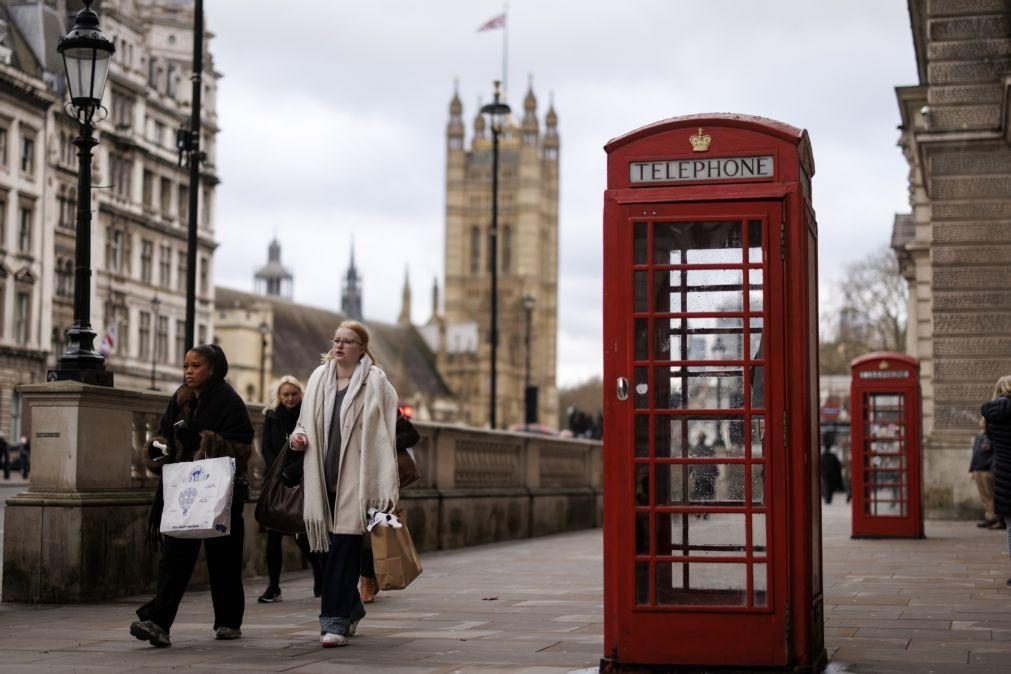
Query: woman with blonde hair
278, 423
997, 413
347, 429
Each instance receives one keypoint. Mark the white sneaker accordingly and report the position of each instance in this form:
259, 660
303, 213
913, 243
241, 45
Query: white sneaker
331, 640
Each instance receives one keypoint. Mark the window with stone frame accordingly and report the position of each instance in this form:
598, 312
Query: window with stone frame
181, 271
3, 219
116, 249
22, 315
204, 272
26, 225
27, 150
201, 334
4, 129
143, 335
180, 341
120, 170
147, 189
165, 196
146, 260
3, 301
161, 339
67, 201
164, 266
184, 204
64, 283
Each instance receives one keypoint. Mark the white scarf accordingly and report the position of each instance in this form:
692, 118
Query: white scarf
378, 485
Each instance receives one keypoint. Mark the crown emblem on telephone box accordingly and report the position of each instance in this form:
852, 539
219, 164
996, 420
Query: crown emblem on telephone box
700, 141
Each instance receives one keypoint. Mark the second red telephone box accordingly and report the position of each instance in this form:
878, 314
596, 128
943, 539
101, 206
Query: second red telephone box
885, 446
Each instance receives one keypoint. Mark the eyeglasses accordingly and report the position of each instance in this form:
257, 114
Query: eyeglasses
343, 342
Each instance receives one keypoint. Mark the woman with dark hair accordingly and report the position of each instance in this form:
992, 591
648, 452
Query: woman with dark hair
205, 419
347, 430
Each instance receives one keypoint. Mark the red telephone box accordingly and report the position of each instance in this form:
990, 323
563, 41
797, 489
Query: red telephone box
712, 530
885, 446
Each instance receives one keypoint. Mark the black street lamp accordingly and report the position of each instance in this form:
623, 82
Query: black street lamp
264, 331
86, 55
191, 156
496, 111
155, 304
529, 392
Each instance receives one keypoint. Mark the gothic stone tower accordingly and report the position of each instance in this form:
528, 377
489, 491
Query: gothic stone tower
527, 263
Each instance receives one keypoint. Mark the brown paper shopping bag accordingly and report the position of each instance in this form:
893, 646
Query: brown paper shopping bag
396, 561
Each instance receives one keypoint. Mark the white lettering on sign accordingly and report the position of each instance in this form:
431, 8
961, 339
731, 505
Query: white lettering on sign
715, 168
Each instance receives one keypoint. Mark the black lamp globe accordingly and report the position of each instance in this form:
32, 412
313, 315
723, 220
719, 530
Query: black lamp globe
86, 53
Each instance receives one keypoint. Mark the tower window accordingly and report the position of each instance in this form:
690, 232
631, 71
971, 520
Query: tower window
475, 249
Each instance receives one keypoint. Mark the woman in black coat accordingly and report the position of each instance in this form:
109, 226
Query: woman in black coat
278, 423
997, 414
205, 419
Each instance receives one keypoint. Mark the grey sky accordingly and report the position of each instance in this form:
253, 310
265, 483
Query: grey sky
333, 118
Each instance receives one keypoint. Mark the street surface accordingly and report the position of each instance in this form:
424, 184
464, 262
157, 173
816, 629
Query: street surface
938, 605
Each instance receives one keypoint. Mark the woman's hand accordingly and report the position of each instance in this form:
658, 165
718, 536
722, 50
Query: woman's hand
299, 442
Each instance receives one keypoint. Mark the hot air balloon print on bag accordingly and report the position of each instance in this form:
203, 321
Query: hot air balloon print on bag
198, 498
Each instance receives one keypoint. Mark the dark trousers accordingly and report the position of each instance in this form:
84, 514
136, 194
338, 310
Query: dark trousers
275, 559
224, 566
341, 604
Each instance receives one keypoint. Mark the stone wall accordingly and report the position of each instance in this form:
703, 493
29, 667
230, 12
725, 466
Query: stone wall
955, 138
78, 533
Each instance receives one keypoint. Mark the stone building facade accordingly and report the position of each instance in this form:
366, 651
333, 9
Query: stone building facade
527, 264
25, 241
955, 245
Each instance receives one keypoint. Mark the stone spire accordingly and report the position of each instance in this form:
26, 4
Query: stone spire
273, 279
405, 301
530, 126
351, 295
454, 130
435, 297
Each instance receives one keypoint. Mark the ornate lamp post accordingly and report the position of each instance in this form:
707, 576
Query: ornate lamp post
264, 331
155, 305
86, 55
496, 111
529, 392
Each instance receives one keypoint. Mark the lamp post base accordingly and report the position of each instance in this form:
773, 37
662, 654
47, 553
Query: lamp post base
85, 375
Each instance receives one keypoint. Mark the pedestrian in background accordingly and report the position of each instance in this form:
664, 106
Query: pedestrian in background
980, 468
5, 459
205, 419
347, 426
278, 423
831, 475
24, 456
997, 413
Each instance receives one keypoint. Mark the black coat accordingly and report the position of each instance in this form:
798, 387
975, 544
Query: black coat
997, 414
278, 423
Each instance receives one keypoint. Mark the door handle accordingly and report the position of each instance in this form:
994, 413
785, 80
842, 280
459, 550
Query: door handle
622, 388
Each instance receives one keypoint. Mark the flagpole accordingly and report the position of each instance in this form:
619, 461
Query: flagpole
505, 52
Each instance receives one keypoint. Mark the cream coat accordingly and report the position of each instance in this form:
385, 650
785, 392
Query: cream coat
368, 464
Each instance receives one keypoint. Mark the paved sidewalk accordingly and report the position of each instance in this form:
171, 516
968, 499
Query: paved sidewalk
938, 605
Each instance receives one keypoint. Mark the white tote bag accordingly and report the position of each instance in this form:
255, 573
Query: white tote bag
198, 498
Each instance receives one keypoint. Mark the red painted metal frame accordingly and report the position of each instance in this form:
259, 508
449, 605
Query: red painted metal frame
867, 524
788, 634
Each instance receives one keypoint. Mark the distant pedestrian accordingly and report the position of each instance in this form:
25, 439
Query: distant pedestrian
278, 423
831, 475
205, 419
5, 459
997, 413
24, 456
980, 468
347, 426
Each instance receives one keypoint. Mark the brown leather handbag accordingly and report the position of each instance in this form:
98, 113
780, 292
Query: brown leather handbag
279, 507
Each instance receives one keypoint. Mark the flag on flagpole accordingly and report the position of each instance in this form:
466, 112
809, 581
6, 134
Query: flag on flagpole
497, 22
108, 343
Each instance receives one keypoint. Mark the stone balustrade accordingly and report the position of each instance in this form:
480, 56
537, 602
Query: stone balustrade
79, 532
